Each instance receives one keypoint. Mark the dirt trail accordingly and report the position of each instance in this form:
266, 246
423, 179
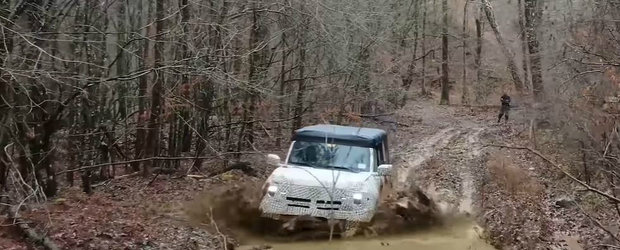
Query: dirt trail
422, 152
468, 189
445, 163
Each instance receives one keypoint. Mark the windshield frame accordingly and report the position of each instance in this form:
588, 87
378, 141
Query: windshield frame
372, 163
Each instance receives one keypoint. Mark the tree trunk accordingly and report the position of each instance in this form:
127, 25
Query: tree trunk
140, 144
281, 92
153, 133
478, 57
249, 106
301, 83
86, 182
301, 89
533, 15
423, 45
465, 96
4, 140
512, 66
409, 76
255, 62
205, 99
524, 49
185, 140
445, 79
142, 115
173, 133
104, 157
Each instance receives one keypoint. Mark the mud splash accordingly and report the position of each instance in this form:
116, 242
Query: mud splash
405, 218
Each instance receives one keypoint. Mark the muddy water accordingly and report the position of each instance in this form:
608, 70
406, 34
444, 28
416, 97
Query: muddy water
460, 234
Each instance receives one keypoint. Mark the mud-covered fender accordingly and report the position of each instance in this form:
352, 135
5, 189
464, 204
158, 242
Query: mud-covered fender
266, 185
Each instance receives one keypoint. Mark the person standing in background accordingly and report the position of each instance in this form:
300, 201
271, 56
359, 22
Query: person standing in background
505, 100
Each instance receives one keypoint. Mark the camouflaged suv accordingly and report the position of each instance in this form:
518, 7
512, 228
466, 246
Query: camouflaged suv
330, 172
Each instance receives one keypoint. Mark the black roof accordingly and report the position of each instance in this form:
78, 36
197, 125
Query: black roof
356, 136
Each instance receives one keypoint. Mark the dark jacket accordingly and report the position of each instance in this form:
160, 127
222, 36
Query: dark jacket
505, 100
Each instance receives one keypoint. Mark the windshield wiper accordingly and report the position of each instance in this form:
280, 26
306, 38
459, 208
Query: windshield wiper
301, 164
341, 167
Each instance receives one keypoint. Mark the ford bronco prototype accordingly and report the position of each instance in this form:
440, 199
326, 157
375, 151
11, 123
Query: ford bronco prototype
330, 172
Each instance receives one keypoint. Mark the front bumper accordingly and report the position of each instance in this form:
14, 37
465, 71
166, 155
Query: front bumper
317, 202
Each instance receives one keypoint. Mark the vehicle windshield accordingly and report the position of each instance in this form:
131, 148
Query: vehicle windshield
323, 155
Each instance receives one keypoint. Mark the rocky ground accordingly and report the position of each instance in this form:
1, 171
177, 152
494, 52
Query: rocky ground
446, 151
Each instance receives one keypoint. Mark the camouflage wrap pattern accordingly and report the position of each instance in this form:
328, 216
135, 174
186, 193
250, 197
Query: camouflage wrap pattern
314, 201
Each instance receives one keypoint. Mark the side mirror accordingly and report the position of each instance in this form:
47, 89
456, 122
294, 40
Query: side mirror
273, 159
384, 169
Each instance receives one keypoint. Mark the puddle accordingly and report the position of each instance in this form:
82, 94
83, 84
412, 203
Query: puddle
462, 234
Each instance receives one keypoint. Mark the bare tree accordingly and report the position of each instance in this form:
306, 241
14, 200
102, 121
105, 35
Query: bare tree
512, 66
533, 14
408, 77
445, 78
301, 81
153, 133
465, 94
478, 55
524, 48
140, 143
423, 45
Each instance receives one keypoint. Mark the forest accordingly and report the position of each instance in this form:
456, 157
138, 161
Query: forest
141, 92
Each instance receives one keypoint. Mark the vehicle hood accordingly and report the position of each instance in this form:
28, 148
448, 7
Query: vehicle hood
307, 176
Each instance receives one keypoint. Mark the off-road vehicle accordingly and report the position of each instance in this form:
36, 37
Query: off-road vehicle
331, 173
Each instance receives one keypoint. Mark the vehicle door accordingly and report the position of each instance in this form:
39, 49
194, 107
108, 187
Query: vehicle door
383, 158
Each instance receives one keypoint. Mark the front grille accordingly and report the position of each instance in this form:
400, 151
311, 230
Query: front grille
329, 202
295, 205
328, 208
313, 193
328, 205
313, 197
317, 202
297, 199
298, 202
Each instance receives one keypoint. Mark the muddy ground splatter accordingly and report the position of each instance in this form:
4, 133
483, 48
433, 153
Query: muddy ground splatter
234, 210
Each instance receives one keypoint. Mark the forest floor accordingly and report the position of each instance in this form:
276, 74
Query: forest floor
448, 151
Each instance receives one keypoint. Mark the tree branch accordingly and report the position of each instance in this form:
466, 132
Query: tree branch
598, 223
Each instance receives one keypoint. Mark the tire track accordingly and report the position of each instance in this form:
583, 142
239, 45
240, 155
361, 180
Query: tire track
466, 172
459, 148
421, 152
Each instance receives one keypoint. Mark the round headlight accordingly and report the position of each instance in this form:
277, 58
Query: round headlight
357, 198
271, 190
